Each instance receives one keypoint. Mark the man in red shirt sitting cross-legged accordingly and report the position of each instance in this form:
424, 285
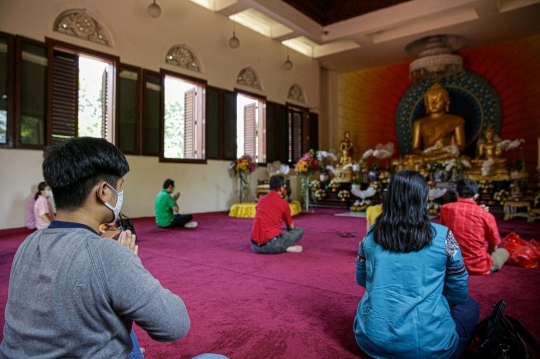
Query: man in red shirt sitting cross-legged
473, 226
272, 210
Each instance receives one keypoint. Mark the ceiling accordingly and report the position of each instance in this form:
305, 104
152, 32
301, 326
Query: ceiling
350, 35
326, 12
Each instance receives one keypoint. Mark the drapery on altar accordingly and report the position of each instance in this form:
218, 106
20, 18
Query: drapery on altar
247, 210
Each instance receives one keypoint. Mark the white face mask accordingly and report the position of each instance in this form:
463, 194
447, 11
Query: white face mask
119, 199
48, 193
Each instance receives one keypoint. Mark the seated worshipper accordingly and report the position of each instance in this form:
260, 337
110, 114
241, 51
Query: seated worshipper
43, 211
416, 302
73, 294
473, 225
372, 212
166, 209
271, 211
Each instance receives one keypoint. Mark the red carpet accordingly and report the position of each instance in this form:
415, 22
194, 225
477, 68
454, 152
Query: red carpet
291, 306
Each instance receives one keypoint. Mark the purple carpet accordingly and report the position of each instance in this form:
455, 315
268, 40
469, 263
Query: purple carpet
292, 306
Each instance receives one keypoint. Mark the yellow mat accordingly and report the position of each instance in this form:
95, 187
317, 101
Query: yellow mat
247, 210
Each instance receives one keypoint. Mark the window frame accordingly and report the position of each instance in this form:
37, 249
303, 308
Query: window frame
304, 128
144, 120
10, 91
262, 113
201, 104
139, 106
52, 45
17, 118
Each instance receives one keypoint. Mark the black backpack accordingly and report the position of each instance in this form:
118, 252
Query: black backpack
501, 336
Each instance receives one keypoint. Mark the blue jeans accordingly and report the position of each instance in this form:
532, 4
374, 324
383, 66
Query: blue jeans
136, 352
466, 317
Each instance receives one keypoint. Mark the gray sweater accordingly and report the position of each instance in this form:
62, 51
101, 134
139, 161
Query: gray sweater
74, 294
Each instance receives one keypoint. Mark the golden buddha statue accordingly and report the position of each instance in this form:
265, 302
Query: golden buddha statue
489, 150
437, 130
345, 146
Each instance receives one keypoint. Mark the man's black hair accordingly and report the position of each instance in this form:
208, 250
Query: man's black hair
168, 182
74, 166
276, 181
467, 188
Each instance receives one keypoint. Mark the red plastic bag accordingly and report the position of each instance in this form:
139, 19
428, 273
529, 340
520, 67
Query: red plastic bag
522, 253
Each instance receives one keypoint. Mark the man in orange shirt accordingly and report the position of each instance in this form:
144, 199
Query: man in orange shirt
472, 226
272, 210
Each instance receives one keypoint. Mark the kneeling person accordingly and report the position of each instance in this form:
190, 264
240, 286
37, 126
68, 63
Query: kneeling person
166, 209
272, 210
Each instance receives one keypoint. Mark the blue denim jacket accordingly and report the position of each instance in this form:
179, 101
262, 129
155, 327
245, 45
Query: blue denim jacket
405, 311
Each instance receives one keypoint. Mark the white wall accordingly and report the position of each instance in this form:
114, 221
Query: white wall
143, 41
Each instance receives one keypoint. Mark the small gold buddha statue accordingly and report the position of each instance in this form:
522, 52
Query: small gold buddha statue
437, 130
345, 146
489, 150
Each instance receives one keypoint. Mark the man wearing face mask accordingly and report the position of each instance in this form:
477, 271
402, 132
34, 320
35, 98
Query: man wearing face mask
43, 211
73, 294
271, 211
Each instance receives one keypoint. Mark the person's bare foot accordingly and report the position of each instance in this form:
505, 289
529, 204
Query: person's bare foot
294, 249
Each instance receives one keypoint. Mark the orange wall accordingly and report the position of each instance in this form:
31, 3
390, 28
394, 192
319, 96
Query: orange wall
368, 99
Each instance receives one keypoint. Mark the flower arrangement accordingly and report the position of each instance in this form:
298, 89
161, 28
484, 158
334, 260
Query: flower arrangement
243, 167
319, 194
434, 209
485, 186
501, 196
360, 207
243, 164
315, 185
423, 173
333, 185
385, 176
375, 185
343, 194
433, 166
307, 164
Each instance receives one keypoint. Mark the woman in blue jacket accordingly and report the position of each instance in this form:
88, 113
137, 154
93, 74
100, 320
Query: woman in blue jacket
416, 303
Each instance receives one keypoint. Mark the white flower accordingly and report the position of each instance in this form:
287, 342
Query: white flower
486, 166
347, 166
355, 167
466, 163
510, 145
452, 149
432, 148
367, 154
449, 164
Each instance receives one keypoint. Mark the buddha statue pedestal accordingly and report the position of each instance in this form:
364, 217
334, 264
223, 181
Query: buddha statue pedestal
344, 175
496, 173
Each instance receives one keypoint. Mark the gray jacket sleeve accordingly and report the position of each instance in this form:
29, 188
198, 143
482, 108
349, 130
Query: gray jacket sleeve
135, 294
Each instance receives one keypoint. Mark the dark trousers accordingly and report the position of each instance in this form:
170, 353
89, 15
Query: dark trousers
466, 317
280, 243
180, 220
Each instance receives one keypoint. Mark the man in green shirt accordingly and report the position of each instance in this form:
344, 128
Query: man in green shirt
166, 208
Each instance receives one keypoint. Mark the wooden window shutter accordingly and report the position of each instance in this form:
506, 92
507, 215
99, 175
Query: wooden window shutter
189, 124
65, 95
250, 129
295, 136
104, 105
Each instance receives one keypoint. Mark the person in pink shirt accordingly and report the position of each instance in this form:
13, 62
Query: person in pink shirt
43, 211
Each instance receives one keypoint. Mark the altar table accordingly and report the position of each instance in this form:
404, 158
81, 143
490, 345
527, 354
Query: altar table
247, 210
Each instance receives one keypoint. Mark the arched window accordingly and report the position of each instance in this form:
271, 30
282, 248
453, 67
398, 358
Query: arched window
78, 23
180, 55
